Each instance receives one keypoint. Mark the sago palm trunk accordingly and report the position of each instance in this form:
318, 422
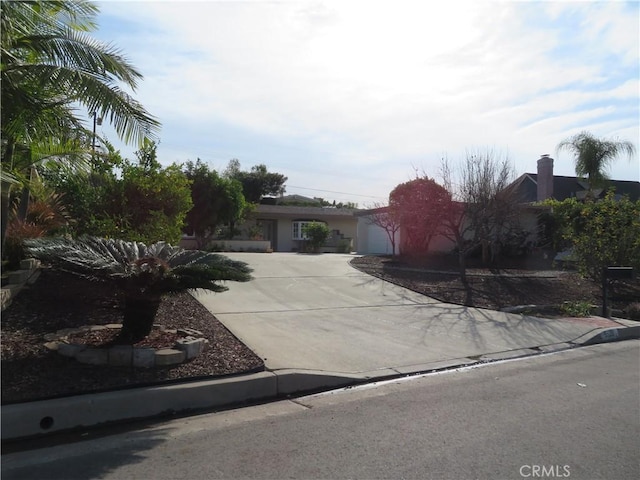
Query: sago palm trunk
7, 159
4, 218
139, 314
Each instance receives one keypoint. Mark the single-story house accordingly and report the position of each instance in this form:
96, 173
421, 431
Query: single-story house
282, 226
280, 222
279, 227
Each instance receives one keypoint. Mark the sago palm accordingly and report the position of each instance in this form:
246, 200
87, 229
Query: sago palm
143, 273
593, 155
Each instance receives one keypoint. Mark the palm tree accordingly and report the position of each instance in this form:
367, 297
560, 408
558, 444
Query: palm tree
49, 66
143, 273
594, 155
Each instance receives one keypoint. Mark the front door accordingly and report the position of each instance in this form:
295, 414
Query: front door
270, 232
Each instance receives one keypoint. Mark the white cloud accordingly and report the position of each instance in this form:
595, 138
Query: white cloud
380, 86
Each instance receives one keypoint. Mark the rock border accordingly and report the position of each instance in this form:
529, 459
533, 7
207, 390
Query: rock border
186, 348
16, 281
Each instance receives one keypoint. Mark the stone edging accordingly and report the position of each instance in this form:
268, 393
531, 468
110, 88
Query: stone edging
189, 346
27, 275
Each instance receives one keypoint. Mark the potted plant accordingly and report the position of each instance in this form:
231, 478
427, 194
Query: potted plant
255, 232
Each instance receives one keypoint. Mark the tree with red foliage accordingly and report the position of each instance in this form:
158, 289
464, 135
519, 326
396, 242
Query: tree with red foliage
421, 206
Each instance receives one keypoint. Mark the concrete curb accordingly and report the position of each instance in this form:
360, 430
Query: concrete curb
34, 419
41, 418
605, 335
31, 419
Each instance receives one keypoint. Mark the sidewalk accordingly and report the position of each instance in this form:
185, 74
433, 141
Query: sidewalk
320, 324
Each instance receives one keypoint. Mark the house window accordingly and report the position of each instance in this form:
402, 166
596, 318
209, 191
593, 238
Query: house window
297, 229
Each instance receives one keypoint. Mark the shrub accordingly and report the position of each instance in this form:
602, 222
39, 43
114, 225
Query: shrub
601, 233
576, 309
632, 311
317, 234
344, 246
45, 215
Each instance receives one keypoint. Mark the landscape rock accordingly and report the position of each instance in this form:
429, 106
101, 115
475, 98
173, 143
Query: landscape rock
192, 347
144, 357
70, 349
121, 355
169, 356
93, 356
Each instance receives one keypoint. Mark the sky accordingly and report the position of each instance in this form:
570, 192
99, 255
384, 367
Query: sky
350, 98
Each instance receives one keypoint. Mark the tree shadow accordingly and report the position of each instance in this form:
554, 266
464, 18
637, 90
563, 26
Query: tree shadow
87, 455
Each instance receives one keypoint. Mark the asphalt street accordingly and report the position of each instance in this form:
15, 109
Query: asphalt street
572, 414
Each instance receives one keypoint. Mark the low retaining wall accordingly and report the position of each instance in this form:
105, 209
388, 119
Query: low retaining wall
231, 245
242, 245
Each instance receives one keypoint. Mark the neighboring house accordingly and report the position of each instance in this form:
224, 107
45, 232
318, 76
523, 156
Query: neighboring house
531, 188
535, 187
283, 226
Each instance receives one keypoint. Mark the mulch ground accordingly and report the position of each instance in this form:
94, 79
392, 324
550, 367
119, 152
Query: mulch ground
516, 283
57, 300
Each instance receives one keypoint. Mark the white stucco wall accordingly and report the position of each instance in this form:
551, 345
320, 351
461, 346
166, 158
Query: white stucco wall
373, 239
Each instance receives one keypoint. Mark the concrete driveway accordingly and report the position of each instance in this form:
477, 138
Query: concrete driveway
316, 312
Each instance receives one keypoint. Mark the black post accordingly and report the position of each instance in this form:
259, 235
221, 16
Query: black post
93, 141
96, 121
605, 284
613, 273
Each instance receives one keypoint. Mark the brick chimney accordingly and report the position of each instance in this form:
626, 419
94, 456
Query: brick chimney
545, 177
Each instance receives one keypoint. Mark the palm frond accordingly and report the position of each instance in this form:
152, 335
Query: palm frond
594, 155
45, 49
74, 50
81, 257
134, 263
8, 177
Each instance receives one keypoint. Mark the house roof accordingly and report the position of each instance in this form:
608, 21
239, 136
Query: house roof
567, 187
370, 211
308, 212
297, 198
